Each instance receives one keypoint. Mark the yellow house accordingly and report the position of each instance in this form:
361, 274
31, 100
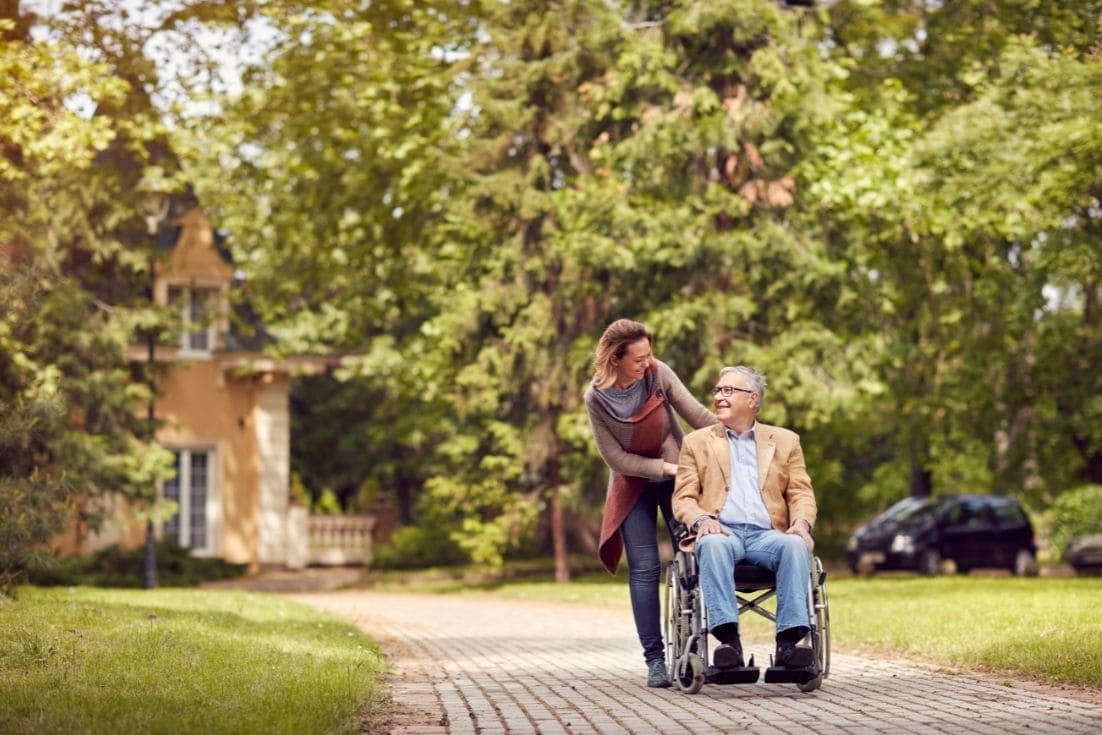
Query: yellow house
223, 411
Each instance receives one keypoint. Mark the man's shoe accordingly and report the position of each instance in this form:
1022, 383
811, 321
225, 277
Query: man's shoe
791, 656
728, 656
656, 674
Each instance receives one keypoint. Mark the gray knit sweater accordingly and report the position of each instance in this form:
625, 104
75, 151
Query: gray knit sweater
612, 433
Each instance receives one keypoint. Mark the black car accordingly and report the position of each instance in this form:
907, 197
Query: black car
1084, 554
973, 531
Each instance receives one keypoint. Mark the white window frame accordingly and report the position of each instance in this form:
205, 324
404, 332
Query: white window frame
212, 505
187, 293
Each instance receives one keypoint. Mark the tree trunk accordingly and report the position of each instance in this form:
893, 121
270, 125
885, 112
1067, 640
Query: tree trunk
10, 10
558, 537
558, 528
922, 481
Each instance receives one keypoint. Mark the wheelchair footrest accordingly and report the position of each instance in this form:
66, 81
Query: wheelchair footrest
736, 675
782, 675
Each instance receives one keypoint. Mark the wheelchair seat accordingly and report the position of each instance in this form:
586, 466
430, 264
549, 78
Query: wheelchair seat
750, 577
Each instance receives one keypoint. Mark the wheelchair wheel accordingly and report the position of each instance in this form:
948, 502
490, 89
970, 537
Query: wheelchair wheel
820, 634
684, 659
691, 679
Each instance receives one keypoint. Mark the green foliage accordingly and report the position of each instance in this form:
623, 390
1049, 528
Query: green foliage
299, 493
1076, 512
118, 567
420, 546
71, 270
67, 423
326, 503
890, 208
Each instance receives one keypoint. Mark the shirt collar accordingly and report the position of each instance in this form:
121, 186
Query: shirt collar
748, 434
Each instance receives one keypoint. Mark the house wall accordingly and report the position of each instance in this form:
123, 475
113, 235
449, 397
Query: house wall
232, 403
271, 418
202, 408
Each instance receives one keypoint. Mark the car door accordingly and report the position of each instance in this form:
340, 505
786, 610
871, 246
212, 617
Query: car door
1013, 533
956, 543
984, 532
970, 535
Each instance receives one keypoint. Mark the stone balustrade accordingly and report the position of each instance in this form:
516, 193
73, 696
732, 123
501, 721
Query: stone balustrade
339, 539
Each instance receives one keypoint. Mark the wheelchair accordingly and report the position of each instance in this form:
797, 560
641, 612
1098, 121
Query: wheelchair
686, 626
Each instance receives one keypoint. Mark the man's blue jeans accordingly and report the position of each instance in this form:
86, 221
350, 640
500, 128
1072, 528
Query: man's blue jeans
786, 555
640, 533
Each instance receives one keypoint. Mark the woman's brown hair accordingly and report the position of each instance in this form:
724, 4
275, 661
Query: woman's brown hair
614, 343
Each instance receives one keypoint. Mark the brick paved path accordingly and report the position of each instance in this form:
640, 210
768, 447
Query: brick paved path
490, 666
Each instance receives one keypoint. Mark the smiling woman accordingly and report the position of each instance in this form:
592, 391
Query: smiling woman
631, 404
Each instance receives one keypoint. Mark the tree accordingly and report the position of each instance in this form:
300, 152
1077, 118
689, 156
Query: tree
939, 203
72, 436
619, 165
323, 167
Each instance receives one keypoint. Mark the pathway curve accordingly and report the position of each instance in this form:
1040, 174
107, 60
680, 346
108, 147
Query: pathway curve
489, 666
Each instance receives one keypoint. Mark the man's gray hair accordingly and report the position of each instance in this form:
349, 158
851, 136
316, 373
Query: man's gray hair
755, 380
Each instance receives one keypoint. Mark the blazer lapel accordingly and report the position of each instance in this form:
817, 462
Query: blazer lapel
766, 447
721, 453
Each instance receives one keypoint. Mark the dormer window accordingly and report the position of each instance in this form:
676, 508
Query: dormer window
197, 311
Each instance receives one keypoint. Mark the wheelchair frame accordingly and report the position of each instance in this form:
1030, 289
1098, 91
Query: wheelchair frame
686, 626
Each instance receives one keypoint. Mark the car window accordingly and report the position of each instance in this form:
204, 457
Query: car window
905, 508
969, 515
977, 515
918, 513
1009, 514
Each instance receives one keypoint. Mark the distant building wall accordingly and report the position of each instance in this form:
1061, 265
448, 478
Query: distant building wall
273, 440
203, 407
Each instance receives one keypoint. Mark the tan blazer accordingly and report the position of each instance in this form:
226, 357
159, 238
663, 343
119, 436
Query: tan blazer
704, 476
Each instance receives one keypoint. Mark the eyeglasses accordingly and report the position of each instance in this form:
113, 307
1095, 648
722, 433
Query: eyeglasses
728, 390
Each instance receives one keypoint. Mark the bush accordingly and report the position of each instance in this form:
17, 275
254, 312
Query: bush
118, 567
1075, 513
415, 547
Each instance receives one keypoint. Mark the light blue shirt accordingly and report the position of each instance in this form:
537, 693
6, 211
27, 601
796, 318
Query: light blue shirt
744, 503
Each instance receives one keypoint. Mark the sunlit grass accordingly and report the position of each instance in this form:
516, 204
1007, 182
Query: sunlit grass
1049, 628
110, 661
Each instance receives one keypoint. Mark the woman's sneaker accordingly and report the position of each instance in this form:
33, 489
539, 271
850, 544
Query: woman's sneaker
656, 674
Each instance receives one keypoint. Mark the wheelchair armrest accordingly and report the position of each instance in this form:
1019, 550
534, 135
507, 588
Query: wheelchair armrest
681, 533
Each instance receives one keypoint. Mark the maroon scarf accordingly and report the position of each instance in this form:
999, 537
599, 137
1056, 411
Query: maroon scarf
646, 440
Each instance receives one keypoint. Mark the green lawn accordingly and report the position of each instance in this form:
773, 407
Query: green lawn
1046, 628
1043, 628
171, 661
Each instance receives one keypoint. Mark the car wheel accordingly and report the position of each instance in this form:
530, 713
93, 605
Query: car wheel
1025, 564
929, 563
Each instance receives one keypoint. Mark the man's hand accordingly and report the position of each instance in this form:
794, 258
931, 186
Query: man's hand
803, 530
669, 469
710, 525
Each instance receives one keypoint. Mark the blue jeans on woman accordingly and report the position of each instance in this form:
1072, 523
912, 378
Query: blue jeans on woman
640, 533
786, 555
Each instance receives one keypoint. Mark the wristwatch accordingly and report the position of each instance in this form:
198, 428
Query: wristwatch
695, 528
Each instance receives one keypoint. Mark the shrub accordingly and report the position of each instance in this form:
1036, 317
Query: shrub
118, 567
1075, 513
414, 547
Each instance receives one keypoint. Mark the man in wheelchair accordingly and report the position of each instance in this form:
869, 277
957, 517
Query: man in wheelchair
744, 492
